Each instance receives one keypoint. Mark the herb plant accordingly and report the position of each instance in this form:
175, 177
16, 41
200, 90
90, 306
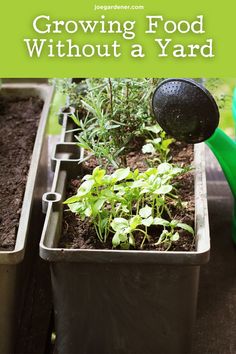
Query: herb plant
118, 115
157, 145
126, 204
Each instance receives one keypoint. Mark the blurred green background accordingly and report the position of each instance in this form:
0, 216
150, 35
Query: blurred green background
223, 92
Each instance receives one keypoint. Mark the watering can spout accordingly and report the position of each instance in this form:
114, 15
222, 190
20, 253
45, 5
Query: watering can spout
224, 149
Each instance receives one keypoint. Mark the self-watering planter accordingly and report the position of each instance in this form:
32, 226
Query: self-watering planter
15, 264
122, 301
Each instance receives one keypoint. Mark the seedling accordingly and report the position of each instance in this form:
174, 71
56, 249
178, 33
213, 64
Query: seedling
127, 203
157, 146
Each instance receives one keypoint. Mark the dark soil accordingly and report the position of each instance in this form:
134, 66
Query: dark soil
81, 234
19, 117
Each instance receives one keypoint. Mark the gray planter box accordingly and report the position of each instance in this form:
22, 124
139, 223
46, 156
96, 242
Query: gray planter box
14, 265
122, 302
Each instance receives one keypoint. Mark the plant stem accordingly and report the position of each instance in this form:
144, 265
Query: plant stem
111, 95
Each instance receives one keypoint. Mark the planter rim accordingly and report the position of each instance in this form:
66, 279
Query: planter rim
54, 254
45, 92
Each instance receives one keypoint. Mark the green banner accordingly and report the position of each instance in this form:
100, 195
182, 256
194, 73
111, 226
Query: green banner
118, 38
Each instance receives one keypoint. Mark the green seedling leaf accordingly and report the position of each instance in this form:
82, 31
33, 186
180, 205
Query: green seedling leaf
121, 173
98, 205
148, 149
131, 240
119, 224
88, 212
75, 207
160, 221
176, 170
98, 174
104, 223
163, 237
147, 222
118, 238
87, 177
125, 209
175, 237
108, 194
173, 223
154, 129
164, 189
156, 141
185, 227
137, 184
145, 212
85, 188
135, 173
150, 171
166, 143
135, 221
164, 168
71, 200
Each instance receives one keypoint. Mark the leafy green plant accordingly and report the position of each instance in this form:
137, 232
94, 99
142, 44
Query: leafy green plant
157, 146
126, 204
117, 120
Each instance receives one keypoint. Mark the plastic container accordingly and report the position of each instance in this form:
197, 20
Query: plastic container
14, 265
121, 302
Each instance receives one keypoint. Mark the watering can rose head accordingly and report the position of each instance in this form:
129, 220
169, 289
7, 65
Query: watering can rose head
185, 110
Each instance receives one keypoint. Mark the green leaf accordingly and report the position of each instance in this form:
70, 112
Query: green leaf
83, 144
148, 222
98, 174
148, 149
121, 173
163, 168
154, 129
134, 222
119, 224
75, 119
88, 212
71, 200
145, 212
118, 238
150, 171
85, 188
135, 173
166, 143
108, 194
163, 237
173, 223
75, 207
131, 240
185, 227
137, 184
156, 141
176, 170
175, 236
104, 223
160, 221
98, 205
164, 189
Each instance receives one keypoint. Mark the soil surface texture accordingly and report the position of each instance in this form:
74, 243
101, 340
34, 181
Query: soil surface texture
19, 117
81, 234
